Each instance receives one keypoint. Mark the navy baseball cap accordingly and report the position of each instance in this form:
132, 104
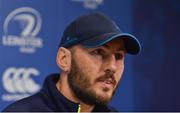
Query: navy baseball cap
95, 29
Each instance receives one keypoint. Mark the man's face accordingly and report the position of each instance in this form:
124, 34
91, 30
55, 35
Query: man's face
95, 72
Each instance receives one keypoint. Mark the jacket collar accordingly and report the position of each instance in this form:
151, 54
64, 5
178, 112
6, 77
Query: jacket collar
59, 101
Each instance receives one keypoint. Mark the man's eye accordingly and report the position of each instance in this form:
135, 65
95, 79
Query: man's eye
118, 56
98, 52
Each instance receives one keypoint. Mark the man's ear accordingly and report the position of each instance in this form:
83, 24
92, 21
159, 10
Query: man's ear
64, 59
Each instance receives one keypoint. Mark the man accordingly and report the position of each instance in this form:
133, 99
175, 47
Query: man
91, 58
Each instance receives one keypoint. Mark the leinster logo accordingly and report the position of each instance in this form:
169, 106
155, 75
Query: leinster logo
90, 4
21, 28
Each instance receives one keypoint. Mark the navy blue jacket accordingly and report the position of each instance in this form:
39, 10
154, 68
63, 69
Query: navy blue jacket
49, 99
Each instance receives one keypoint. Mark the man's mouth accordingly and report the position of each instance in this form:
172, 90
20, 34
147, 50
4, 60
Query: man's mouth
108, 83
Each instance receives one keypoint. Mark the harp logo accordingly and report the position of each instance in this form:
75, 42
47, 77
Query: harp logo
21, 28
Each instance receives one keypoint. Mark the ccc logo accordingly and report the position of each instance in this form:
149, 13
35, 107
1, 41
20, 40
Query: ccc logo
17, 80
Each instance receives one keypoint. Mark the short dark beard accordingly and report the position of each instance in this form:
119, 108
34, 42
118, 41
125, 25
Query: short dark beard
80, 83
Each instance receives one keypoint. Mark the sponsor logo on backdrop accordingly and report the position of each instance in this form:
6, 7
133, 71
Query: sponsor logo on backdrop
21, 28
18, 82
90, 4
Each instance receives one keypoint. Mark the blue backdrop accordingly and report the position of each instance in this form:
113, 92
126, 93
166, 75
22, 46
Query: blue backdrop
30, 32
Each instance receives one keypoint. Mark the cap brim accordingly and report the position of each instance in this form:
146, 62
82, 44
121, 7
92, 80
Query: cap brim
132, 45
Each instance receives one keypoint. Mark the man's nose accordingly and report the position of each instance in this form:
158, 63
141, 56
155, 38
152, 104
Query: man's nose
111, 64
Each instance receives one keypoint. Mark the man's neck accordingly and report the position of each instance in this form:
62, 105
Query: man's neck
86, 108
63, 87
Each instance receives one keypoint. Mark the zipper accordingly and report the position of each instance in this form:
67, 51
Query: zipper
79, 109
